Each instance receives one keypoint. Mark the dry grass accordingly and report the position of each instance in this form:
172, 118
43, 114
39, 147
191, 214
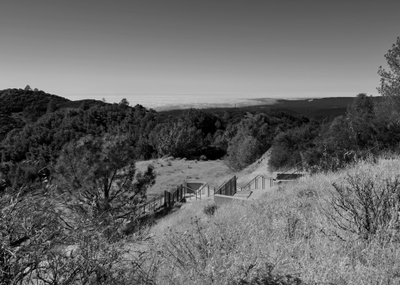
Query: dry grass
282, 238
259, 167
172, 172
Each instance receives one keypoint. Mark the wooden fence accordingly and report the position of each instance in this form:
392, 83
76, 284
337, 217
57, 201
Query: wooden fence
169, 198
165, 200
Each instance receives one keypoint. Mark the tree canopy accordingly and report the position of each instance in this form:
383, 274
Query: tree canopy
390, 79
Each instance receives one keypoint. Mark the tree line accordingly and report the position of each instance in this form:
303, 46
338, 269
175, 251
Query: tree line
369, 128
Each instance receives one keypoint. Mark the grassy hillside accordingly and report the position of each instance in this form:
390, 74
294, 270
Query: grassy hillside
287, 237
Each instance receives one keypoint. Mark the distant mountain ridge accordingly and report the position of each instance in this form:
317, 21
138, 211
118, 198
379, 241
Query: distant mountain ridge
320, 109
21, 106
22, 100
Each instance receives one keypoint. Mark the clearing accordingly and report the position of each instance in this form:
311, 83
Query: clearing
172, 172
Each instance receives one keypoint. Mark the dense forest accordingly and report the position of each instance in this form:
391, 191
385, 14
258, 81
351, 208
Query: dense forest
67, 168
38, 127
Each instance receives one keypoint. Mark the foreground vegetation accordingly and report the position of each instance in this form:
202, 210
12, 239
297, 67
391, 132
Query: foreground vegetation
295, 234
333, 228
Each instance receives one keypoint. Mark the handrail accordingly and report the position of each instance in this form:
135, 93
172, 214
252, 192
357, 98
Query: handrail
254, 179
166, 199
220, 187
224, 184
203, 186
295, 170
187, 188
201, 189
289, 174
148, 203
193, 191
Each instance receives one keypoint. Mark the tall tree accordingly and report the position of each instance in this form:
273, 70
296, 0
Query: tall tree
390, 80
100, 174
388, 111
124, 102
178, 139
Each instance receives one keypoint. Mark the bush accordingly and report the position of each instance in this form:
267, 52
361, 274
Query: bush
38, 247
28, 228
366, 203
294, 148
210, 209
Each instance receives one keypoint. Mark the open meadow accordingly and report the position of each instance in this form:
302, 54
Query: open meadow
171, 172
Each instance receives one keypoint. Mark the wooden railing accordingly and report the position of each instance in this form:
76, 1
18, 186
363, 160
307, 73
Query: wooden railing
287, 176
229, 188
175, 196
265, 182
150, 206
164, 200
169, 198
204, 190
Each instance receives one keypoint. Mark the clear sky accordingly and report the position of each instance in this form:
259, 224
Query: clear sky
115, 49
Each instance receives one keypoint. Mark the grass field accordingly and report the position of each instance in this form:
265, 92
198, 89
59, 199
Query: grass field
173, 172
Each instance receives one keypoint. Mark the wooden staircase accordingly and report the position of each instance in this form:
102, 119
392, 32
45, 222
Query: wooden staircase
243, 194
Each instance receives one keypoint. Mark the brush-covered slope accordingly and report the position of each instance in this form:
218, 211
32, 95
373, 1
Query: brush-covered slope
19, 106
292, 235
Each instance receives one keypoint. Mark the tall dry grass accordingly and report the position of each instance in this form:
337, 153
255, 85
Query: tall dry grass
287, 237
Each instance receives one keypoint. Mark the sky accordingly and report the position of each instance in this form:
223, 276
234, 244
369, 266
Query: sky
141, 48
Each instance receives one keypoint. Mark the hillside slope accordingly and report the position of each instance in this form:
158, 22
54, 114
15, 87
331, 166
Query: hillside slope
286, 237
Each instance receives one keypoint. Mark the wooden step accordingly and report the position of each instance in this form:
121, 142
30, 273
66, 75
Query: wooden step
244, 194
